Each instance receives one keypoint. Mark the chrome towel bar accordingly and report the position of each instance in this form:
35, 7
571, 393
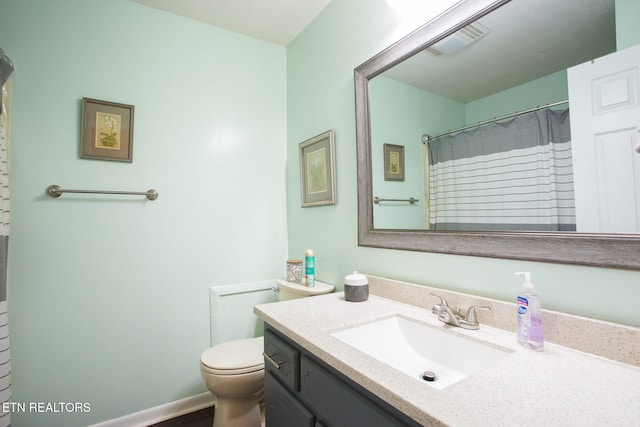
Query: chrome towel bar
411, 200
55, 191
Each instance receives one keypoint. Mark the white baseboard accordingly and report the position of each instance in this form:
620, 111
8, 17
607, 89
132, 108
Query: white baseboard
161, 413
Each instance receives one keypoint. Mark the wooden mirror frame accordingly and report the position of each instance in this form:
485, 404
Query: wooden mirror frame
591, 249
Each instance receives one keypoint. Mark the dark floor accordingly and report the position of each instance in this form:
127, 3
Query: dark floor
201, 418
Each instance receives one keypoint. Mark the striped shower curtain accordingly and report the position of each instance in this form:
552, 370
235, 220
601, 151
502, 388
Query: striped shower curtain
6, 68
512, 175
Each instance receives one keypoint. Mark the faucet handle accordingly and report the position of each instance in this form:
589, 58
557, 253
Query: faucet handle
438, 308
471, 312
443, 301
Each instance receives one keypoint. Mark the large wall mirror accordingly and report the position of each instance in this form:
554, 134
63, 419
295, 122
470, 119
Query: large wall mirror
512, 128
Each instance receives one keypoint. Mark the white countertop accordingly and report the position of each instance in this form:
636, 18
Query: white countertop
558, 386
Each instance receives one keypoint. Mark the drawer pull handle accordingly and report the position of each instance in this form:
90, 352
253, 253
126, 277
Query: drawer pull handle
273, 362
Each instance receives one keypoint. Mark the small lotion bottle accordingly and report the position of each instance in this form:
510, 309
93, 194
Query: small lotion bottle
530, 333
309, 268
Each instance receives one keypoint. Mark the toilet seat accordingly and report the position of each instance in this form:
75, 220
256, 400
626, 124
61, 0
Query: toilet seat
234, 357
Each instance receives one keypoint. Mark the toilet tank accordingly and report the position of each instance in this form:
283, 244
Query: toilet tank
231, 309
291, 290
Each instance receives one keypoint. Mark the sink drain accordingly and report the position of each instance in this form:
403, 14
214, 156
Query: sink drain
429, 376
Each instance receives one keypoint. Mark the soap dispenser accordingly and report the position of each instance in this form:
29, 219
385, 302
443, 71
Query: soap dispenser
530, 332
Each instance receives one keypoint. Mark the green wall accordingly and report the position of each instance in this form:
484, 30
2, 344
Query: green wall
627, 30
542, 91
109, 296
320, 69
400, 115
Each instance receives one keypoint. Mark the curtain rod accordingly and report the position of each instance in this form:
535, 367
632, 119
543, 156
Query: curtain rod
426, 138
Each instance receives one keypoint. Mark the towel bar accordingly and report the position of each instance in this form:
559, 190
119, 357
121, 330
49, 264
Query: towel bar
411, 200
55, 191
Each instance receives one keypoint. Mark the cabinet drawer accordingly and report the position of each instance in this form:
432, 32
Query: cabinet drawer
282, 408
282, 360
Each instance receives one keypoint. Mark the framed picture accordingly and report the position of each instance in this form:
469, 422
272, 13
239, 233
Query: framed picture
107, 131
393, 162
317, 170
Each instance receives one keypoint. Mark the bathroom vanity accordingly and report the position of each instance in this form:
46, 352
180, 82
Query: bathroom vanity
302, 390
314, 378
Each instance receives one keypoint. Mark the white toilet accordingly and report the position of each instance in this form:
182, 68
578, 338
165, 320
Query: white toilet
234, 370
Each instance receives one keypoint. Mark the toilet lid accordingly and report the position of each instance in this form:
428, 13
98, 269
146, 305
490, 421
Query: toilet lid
235, 355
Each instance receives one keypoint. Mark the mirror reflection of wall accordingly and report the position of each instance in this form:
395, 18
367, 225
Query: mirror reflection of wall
438, 91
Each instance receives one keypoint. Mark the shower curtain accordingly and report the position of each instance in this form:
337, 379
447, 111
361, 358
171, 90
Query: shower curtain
6, 68
511, 175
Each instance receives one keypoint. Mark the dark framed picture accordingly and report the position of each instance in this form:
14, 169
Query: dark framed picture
393, 162
317, 170
107, 131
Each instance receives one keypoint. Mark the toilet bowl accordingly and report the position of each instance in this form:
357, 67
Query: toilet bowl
234, 372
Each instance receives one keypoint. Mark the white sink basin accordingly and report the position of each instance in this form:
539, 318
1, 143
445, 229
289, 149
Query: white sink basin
413, 348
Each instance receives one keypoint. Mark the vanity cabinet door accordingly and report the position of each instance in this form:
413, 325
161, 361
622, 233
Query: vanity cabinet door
282, 360
282, 408
337, 404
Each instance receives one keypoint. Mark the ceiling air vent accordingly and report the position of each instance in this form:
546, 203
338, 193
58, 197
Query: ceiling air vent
458, 40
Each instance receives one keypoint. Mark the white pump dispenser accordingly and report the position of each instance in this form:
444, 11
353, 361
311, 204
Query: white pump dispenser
530, 332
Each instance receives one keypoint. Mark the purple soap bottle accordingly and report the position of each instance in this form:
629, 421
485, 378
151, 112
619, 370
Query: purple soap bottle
530, 333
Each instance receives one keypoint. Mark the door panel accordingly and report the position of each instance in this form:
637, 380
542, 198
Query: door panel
605, 114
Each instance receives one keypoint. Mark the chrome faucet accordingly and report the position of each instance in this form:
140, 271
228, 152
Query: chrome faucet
442, 306
447, 315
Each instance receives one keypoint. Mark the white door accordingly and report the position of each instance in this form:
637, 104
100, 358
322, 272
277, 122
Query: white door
605, 114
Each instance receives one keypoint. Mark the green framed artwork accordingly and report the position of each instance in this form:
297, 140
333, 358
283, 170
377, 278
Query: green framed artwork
107, 131
393, 162
317, 170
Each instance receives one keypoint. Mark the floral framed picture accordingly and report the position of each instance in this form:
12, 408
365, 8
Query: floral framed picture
317, 170
393, 162
107, 131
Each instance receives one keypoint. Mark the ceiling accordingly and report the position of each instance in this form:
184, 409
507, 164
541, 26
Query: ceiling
276, 21
543, 35
526, 40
